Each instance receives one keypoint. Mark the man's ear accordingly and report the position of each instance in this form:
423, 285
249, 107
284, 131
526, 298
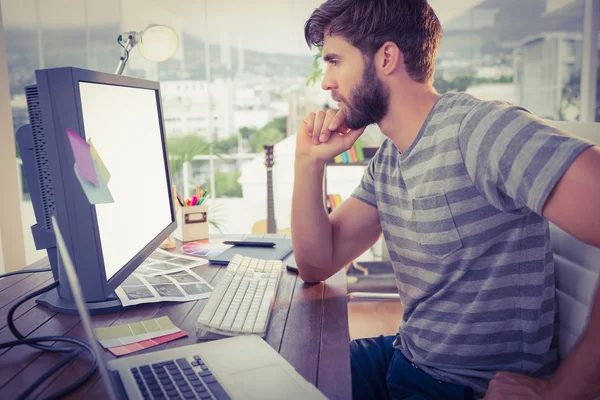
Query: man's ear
389, 58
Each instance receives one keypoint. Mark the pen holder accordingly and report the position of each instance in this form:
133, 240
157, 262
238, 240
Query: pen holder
192, 223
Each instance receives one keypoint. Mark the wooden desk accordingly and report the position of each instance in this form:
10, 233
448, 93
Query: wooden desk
309, 327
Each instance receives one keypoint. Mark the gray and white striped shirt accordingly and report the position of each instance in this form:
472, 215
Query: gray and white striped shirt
461, 216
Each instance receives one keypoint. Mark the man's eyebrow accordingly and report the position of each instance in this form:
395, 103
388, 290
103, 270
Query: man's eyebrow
330, 56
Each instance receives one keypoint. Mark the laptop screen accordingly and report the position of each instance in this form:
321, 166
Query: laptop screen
66, 264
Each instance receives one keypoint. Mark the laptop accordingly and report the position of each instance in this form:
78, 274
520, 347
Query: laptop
242, 367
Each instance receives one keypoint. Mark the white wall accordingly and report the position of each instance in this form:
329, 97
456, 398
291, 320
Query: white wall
2, 270
13, 254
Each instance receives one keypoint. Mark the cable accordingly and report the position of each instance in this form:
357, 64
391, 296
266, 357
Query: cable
26, 271
15, 331
120, 41
72, 352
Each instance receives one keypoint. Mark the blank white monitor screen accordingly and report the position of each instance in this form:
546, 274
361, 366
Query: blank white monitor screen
123, 124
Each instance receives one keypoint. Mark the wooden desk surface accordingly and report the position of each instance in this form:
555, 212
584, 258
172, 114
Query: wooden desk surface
308, 327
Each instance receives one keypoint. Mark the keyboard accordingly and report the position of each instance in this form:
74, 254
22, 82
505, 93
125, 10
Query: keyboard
242, 301
178, 379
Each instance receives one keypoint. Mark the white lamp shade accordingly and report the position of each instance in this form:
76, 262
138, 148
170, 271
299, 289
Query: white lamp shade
158, 43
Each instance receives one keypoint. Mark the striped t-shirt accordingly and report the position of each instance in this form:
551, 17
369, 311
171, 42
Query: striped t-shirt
461, 216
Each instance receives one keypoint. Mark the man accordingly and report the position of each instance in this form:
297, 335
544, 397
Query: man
462, 191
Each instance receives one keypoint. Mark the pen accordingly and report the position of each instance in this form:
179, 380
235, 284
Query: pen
202, 200
249, 243
194, 200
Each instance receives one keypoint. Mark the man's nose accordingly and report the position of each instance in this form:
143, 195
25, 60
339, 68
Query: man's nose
328, 83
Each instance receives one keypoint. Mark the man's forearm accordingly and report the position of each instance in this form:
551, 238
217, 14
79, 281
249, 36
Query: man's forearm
578, 376
311, 228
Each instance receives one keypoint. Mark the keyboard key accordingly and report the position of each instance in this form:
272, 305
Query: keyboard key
197, 358
195, 363
172, 393
189, 372
200, 390
205, 396
218, 391
196, 383
156, 392
169, 386
189, 395
204, 373
183, 363
157, 366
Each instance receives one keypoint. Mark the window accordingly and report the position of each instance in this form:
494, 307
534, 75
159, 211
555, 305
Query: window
238, 79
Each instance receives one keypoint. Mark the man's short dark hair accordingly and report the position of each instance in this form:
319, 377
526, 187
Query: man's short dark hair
368, 24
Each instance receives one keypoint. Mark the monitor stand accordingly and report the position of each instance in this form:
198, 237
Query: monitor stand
55, 302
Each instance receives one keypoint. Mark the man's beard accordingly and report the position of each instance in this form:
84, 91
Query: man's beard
369, 101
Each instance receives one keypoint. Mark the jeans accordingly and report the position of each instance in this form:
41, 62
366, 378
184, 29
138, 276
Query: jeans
379, 371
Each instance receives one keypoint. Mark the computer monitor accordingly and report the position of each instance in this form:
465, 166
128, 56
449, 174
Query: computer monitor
124, 119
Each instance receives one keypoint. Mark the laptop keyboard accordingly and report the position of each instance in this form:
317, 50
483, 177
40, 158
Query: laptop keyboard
178, 379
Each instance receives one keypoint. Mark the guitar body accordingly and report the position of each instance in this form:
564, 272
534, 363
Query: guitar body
261, 227
268, 225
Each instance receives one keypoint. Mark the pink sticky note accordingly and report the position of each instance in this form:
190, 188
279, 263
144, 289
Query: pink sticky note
83, 157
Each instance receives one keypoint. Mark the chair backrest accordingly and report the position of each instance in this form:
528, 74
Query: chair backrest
577, 265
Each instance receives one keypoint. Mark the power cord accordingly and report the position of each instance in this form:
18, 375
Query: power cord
72, 352
25, 271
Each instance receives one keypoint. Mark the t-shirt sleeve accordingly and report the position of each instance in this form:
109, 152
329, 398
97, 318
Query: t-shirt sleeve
365, 191
514, 158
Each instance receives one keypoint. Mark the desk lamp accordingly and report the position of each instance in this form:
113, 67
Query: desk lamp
155, 43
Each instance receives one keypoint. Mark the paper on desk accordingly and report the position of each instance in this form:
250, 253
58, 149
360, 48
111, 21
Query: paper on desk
84, 164
99, 194
164, 262
103, 172
164, 276
121, 335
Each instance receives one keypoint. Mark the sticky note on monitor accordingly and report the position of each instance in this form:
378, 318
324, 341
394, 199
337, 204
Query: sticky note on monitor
95, 194
83, 159
96, 157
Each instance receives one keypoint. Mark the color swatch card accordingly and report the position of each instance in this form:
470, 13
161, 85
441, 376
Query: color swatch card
121, 335
144, 344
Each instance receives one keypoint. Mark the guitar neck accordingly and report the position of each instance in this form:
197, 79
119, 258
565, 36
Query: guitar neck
271, 226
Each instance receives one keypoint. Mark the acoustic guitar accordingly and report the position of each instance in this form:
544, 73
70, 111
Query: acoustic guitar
269, 225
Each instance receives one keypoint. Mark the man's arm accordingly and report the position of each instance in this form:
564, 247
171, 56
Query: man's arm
574, 206
325, 243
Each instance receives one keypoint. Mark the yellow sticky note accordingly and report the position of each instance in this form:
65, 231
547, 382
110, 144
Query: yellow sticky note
99, 163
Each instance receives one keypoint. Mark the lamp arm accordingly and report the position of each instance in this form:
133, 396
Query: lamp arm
128, 46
